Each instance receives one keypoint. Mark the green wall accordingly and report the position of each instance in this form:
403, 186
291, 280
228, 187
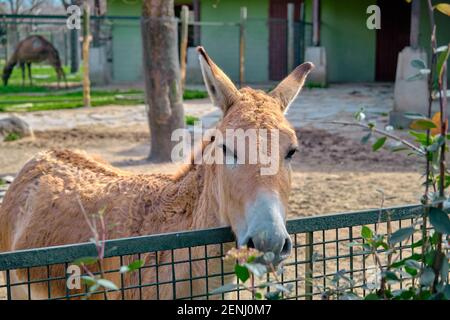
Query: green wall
350, 46
222, 42
126, 41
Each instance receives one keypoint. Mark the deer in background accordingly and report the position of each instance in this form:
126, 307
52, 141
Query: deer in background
33, 49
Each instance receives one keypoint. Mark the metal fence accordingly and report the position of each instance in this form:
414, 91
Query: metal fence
189, 265
268, 45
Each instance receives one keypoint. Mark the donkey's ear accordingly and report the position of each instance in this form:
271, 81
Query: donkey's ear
290, 87
221, 90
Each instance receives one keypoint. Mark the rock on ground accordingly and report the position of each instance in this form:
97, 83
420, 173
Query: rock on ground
14, 125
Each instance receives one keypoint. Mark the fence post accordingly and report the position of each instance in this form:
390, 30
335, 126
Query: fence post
86, 41
290, 37
242, 26
309, 267
184, 42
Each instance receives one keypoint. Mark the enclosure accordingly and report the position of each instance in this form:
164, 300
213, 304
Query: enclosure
321, 249
336, 169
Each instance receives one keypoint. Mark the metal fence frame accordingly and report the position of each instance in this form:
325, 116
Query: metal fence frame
309, 226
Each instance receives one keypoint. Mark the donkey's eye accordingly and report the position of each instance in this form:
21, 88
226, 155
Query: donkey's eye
291, 153
228, 153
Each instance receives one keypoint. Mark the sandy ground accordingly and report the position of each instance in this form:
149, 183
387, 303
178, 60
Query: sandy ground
333, 172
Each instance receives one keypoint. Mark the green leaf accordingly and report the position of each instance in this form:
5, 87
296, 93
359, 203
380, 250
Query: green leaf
273, 295
135, 265
379, 143
427, 277
225, 288
257, 269
401, 235
411, 271
93, 288
390, 276
442, 58
398, 149
258, 296
415, 256
443, 8
241, 272
85, 261
90, 281
423, 124
440, 220
444, 267
418, 64
429, 257
366, 233
415, 77
421, 137
413, 264
446, 291
107, 284
372, 296
417, 244
366, 138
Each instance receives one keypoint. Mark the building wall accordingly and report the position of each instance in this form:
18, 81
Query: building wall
222, 43
351, 47
126, 41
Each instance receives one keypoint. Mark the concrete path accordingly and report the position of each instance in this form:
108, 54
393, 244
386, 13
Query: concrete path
312, 108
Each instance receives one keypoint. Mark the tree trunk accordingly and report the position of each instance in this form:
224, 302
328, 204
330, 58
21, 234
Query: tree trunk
86, 44
163, 91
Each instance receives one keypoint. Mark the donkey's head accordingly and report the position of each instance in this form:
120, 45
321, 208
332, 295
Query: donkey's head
7, 70
252, 184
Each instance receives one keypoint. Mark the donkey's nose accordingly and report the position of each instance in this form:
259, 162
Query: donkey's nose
280, 246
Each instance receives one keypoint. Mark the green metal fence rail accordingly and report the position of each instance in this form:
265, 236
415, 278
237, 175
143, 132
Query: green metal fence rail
320, 248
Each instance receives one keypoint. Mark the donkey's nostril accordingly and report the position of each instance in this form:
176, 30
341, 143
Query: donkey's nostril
250, 243
286, 250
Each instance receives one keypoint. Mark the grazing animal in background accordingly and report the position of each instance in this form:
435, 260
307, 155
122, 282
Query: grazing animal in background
47, 203
33, 49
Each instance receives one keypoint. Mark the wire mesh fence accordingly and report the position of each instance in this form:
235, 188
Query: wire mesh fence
190, 265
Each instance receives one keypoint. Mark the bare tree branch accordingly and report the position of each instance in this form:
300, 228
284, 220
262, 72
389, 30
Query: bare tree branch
381, 132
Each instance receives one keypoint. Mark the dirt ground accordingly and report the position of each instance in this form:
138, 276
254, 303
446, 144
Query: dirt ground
332, 173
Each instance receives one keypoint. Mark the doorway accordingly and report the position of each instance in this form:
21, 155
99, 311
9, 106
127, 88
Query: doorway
392, 37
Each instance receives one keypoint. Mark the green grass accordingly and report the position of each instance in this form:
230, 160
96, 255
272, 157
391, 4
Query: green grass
70, 100
13, 136
40, 96
191, 120
315, 85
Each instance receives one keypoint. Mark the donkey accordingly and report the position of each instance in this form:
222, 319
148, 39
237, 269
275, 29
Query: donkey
47, 203
33, 49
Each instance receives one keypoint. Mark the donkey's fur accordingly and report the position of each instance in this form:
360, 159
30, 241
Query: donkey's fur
44, 205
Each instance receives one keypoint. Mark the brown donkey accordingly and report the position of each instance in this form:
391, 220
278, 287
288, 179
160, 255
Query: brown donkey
33, 49
44, 205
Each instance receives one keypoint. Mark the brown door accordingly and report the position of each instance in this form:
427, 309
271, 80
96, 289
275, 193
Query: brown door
278, 36
392, 37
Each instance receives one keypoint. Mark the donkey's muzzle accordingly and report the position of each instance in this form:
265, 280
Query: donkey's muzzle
280, 246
